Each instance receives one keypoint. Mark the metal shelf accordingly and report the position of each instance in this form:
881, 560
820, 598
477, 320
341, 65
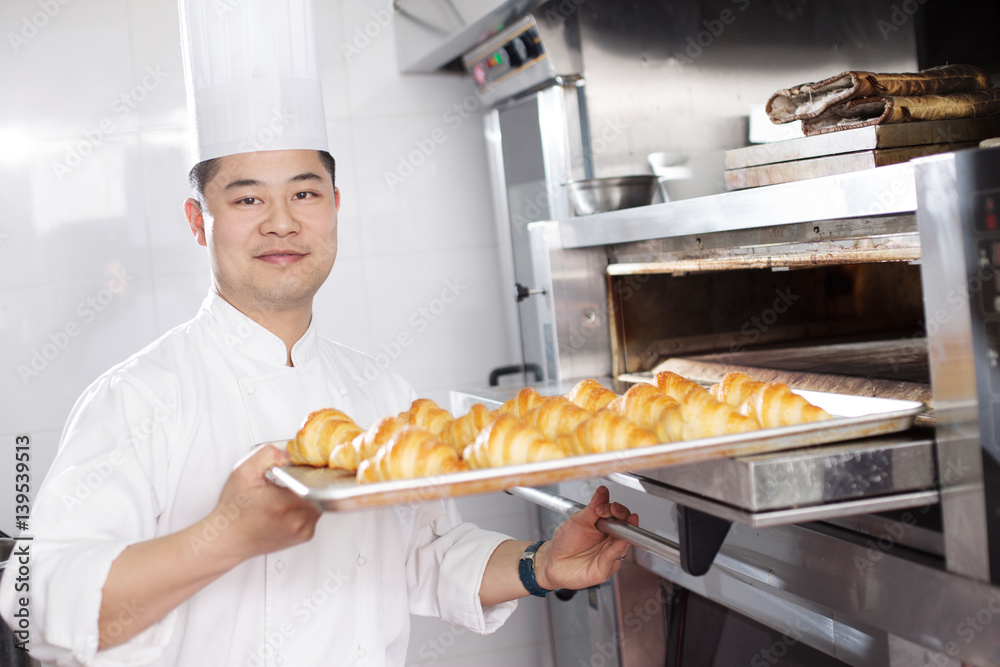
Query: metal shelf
889, 190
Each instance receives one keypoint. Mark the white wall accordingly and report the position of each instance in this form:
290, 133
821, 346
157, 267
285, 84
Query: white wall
96, 259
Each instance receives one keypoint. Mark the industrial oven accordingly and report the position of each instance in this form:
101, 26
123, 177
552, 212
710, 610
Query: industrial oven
880, 283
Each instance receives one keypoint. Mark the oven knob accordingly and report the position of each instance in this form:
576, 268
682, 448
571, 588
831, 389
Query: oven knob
479, 74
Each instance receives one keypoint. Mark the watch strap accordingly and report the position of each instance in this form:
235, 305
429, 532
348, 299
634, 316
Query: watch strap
526, 569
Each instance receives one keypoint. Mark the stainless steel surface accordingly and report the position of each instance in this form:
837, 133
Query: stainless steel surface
336, 490
885, 191
599, 195
863, 139
432, 33
577, 305
780, 517
861, 468
637, 537
953, 372
838, 592
926, 539
680, 76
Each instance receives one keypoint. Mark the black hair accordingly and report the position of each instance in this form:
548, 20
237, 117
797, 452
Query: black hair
203, 172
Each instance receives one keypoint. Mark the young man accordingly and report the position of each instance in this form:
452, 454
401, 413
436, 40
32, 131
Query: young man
158, 540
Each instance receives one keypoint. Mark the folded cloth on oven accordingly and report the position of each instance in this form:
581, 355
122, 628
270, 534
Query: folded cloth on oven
812, 100
883, 109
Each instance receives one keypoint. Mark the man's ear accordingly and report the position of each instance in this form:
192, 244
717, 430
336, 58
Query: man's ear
336, 197
196, 220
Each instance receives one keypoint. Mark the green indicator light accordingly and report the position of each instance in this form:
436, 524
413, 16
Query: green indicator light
497, 58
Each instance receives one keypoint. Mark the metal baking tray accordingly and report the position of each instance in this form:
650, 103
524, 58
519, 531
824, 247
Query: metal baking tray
855, 417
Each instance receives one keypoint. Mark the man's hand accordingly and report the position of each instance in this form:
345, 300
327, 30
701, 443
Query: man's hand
259, 516
579, 555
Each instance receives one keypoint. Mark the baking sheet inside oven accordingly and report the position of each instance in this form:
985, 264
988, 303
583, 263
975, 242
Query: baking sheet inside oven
855, 417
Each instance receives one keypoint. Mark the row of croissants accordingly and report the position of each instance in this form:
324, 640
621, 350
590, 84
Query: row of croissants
427, 440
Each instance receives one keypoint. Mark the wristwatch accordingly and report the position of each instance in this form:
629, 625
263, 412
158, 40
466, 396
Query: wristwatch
526, 568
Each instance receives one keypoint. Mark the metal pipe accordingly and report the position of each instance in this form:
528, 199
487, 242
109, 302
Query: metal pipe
640, 538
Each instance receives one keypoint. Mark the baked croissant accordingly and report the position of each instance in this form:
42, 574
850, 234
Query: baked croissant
706, 417
770, 403
320, 433
427, 415
591, 395
410, 453
556, 416
650, 408
526, 400
604, 432
509, 441
462, 431
675, 386
349, 455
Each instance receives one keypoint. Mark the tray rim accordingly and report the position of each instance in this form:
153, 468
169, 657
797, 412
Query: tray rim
897, 415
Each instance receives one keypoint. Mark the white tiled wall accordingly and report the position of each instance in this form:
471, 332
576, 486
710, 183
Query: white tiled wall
115, 210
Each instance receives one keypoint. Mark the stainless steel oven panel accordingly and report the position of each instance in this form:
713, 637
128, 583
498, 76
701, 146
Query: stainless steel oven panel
944, 273
887, 190
842, 593
578, 302
875, 466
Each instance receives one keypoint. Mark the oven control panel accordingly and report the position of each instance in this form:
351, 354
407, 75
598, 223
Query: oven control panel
522, 50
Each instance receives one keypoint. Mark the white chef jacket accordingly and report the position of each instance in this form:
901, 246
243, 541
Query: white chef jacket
146, 452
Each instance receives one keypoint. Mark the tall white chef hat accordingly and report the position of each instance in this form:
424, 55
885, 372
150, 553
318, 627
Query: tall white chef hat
252, 79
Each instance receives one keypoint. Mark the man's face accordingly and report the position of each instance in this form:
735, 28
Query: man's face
270, 224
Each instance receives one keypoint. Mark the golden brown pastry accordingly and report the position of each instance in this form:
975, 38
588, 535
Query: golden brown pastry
463, 431
410, 453
509, 441
320, 433
706, 417
556, 416
426, 414
771, 404
526, 400
591, 395
650, 408
675, 386
349, 455
604, 432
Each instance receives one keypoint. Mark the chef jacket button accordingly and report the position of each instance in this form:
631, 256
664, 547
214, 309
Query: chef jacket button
343, 391
279, 566
362, 561
362, 652
251, 389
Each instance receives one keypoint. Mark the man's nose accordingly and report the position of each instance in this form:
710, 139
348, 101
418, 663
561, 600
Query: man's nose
280, 220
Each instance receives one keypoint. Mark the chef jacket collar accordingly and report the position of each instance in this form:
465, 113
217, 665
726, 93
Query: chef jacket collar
245, 336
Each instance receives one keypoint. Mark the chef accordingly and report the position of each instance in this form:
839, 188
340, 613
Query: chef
157, 539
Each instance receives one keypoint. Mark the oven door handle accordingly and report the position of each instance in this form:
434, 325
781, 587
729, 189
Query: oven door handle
634, 535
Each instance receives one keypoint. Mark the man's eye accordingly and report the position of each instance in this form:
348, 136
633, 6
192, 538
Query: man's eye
304, 195
247, 201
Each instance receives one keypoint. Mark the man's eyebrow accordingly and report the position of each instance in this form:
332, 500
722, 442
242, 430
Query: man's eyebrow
243, 183
307, 176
